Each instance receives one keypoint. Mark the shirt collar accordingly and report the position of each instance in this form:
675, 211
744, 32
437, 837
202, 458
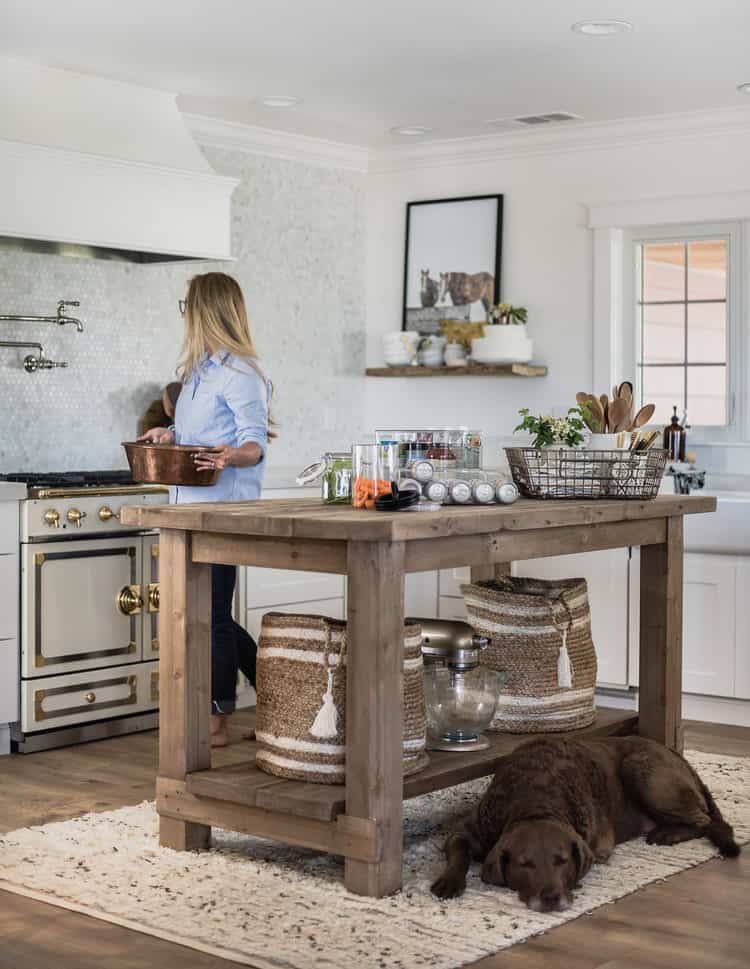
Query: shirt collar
215, 359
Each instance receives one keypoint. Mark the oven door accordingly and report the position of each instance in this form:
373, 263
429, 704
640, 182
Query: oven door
82, 605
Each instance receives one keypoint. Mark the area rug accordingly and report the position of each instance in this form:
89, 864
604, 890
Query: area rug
273, 907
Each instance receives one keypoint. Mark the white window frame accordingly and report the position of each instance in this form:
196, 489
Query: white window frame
614, 224
732, 233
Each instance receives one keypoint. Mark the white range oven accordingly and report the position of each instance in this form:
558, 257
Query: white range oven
89, 596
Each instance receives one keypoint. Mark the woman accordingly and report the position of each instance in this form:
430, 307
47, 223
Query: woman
223, 403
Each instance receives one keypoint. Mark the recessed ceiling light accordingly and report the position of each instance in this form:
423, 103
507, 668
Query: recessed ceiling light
601, 28
411, 131
279, 101
744, 88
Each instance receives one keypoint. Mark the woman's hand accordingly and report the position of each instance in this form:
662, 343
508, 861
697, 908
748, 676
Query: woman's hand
158, 435
229, 457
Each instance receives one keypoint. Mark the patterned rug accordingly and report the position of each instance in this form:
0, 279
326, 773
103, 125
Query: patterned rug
274, 907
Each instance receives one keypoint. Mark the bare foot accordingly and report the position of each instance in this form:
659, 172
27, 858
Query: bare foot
219, 735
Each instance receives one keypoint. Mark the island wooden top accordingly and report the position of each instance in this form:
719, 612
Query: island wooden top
310, 518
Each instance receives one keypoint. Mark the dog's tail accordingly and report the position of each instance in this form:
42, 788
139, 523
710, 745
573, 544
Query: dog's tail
719, 831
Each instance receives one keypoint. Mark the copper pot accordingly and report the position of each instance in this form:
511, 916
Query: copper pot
169, 464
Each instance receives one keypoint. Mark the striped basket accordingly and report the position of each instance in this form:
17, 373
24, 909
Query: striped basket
301, 706
540, 636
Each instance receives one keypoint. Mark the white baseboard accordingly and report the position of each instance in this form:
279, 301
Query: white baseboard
709, 709
4, 739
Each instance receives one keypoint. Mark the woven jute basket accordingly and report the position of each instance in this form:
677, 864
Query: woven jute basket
540, 637
301, 706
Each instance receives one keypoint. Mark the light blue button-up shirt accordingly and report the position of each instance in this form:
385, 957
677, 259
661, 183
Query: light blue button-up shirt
225, 401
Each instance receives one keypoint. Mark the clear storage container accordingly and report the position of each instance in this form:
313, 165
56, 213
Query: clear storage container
460, 447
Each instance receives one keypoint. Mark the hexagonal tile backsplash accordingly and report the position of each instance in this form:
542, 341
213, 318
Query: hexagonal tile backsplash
298, 239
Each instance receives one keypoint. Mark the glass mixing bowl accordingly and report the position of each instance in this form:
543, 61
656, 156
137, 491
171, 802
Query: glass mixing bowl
460, 705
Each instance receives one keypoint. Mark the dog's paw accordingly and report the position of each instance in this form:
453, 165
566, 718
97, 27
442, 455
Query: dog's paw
661, 836
448, 886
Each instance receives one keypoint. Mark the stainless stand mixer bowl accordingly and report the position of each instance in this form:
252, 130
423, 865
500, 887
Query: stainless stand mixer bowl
460, 695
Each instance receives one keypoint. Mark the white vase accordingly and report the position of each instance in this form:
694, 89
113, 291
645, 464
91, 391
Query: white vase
607, 442
503, 344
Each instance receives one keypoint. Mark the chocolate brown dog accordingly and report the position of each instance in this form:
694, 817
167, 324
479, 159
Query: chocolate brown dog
555, 807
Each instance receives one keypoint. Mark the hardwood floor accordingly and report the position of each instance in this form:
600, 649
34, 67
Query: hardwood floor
695, 920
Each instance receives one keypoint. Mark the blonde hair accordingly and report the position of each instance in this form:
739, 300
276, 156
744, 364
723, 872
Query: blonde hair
216, 318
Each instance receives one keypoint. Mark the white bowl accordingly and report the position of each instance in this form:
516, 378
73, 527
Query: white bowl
502, 344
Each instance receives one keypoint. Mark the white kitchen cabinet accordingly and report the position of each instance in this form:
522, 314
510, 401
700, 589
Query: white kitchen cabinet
606, 574
451, 607
709, 619
716, 625
274, 587
451, 580
421, 594
9, 661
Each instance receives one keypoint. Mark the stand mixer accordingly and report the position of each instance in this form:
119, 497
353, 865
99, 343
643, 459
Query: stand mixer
460, 694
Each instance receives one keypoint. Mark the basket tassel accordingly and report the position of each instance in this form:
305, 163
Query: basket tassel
324, 725
564, 669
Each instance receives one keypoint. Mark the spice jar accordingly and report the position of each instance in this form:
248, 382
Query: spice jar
334, 471
442, 458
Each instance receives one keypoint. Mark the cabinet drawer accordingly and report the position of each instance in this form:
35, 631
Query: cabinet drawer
320, 607
59, 701
274, 587
148, 687
451, 580
8, 526
9, 593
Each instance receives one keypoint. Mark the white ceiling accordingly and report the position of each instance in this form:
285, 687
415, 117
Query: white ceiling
364, 66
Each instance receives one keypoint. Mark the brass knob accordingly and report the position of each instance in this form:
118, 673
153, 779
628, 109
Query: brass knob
153, 597
90, 697
75, 517
52, 518
106, 514
129, 600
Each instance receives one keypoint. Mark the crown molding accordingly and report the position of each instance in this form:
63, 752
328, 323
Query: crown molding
574, 136
668, 210
558, 139
254, 140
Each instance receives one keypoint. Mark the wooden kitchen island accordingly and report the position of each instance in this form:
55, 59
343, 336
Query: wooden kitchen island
363, 820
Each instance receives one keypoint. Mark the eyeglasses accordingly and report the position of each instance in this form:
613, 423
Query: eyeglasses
183, 306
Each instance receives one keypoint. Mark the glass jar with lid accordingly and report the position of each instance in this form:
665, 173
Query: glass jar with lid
334, 471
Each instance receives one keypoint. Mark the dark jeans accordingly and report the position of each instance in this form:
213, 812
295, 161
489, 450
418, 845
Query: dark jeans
232, 648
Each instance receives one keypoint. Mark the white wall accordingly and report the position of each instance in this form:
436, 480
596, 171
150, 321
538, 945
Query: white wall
547, 264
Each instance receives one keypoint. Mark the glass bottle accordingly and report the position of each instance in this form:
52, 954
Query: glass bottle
675, 438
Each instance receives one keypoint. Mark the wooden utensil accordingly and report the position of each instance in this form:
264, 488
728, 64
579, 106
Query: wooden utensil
597, 415
619, 415
604, 401
644, 415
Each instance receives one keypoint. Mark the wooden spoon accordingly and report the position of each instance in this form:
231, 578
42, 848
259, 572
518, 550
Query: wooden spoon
597, 415
643, 416
604, 401
619, 415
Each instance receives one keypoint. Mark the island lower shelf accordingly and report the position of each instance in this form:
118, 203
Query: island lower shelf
244, 784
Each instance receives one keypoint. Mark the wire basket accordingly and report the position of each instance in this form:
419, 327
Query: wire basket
575, 473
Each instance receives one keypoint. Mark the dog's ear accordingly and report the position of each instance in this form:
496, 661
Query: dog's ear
582, 856
496, 863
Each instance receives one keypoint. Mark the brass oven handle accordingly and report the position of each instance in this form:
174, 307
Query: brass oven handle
129, 600
153, 597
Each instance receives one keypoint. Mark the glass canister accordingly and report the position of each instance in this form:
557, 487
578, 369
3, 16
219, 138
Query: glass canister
334, 471
375, 467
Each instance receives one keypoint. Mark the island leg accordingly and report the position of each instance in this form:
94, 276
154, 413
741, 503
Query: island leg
660, 663
374, 709
184, 677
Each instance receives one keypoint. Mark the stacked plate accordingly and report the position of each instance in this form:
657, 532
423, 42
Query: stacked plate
400, 348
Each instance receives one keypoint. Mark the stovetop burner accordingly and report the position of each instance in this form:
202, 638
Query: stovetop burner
70, 479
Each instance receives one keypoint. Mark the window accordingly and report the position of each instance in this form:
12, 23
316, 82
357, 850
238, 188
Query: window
682, 326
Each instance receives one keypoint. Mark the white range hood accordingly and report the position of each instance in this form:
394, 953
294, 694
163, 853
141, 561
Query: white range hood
95, 167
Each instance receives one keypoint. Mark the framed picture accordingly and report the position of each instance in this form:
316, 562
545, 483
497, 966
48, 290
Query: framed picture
452, 260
